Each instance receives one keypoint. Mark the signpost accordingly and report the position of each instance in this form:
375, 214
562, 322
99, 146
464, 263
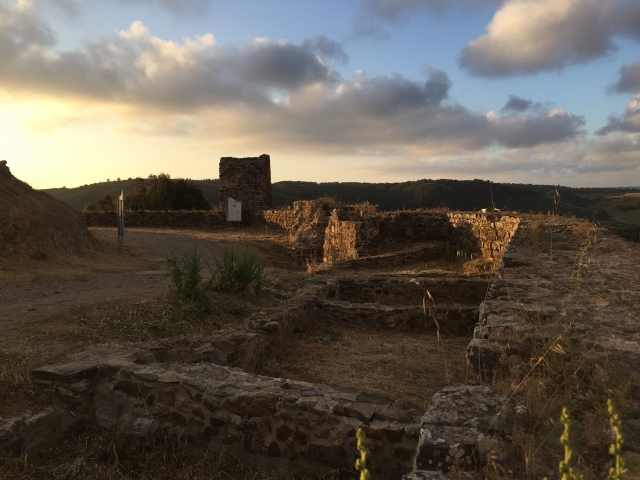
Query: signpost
234, 210
120, 211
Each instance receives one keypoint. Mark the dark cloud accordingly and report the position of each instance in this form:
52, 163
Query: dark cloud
397, 9
542, 35
383, 112
383, 96
628, 18
516, 104
527, 131
289, 66
629, 79
629, 122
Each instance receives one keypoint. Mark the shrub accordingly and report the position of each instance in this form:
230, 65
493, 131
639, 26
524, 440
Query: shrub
186, 277
235, 273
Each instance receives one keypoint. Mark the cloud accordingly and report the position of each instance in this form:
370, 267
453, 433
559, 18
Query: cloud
391, 113
516, 104
629, 122
278, 91
629, 80
607, 161
396, 9
529, 36
179, 8
138, 67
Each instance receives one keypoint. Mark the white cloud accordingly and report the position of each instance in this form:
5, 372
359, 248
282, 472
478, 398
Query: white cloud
528, 36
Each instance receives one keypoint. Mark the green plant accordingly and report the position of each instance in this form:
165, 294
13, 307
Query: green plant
236, 273
186, 277
361, 463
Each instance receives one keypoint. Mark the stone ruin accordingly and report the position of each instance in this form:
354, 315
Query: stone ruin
359, 234
246, 179
207, 392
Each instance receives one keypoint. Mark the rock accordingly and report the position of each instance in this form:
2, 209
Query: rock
66, 372
464, 424
332, 455
362, 411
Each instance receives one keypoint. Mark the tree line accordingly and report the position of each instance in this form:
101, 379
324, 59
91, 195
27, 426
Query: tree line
157, 192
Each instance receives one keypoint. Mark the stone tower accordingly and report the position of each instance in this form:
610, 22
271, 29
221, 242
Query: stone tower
246, 179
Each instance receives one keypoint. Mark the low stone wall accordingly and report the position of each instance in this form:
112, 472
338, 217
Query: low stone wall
282, 425
452, 319
159, 219
466, 427
421, 253
407, 290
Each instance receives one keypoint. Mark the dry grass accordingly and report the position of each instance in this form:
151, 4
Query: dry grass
94, 454
397, 365
47, 340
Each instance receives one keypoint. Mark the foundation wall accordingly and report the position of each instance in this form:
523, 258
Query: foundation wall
279, 424
407, 290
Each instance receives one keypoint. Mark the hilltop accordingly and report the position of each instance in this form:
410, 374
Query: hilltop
33, 224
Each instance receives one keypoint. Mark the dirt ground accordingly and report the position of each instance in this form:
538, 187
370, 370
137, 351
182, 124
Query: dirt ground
56, 307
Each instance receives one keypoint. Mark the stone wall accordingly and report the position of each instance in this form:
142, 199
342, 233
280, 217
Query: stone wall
467, 234
452, 319
349, 239
246, 179
201, 220
306, 221
416, 225
407, 290
282, 425
480, 234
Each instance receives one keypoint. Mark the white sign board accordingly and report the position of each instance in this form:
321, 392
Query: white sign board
234, 210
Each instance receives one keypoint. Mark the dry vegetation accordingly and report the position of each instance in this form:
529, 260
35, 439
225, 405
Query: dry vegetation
398, 365
408, 367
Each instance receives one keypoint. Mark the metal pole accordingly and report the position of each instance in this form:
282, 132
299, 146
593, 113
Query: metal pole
120, 213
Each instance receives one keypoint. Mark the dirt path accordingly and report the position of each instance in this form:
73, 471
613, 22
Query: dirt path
147, 250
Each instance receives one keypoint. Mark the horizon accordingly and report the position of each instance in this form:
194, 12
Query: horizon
632, 187
373, 91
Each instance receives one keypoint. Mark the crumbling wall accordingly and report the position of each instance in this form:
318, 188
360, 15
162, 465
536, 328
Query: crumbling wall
306, 222
352, 232
470, 234
246, 179
480, 234
413, 225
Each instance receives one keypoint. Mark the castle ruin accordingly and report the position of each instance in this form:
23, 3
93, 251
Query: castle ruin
246, 179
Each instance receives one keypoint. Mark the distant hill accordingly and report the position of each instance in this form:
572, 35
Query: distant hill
617, 208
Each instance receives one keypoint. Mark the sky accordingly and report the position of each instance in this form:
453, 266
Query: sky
524, 91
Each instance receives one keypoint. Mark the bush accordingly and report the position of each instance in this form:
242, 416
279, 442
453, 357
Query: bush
105, 204
186, 277
235, 274
161, 192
